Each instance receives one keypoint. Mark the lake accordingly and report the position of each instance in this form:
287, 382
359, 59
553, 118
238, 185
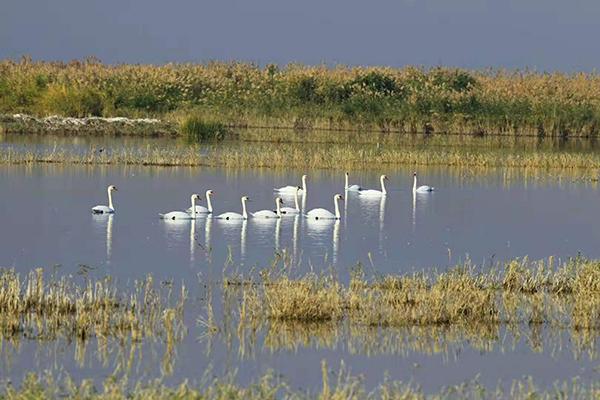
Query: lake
483, 216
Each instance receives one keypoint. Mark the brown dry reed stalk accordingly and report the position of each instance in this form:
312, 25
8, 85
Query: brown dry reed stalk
46, 309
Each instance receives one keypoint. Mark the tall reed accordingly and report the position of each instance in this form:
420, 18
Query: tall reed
302, 97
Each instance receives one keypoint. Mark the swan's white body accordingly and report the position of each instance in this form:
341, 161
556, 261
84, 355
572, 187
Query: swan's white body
421, 189
235, 216
321, 213
262, 214
373, 192
202, 209
179, 215
110, 209
290, 210
292, 189
351, 188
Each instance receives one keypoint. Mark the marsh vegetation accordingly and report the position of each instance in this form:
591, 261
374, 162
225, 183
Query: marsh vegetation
440, 100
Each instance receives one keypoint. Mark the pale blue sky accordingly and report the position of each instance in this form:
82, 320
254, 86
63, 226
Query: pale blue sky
540, 34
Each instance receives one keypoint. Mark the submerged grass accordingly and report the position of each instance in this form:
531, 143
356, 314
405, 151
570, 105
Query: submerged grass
303, 98
46, 309
340, 384
517, 292
309, 156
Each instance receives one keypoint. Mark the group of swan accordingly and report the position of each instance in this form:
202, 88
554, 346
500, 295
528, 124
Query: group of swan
316, 213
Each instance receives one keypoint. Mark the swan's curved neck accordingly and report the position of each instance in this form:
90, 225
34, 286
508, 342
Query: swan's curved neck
296, 201
346, 183
110, 203
304, 184
415, 183
244, 211
278, 207
383, 185
193, 206
208, 202
337, 208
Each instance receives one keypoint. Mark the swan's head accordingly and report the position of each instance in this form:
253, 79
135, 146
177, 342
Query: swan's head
246, 198
196, 197
278, 200
209, 193
112, 188
384, 177
303, 178
338, 197
346, 173
415, 173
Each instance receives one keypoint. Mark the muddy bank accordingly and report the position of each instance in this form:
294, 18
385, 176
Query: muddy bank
26, 124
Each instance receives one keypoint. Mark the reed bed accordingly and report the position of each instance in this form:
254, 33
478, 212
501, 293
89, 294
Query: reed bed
410, 99
290, 156
520, 291
42, 308
340, 384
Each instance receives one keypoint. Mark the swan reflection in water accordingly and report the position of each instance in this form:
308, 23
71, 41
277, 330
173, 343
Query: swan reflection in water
319, 230
177, 231
419, 203
107, 219
234, 229
381, 222
373, 208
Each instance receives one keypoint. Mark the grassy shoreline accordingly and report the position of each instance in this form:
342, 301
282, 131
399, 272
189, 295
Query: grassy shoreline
377, 99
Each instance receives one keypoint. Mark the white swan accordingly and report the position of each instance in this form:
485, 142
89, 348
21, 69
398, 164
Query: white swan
110, 209
235, 216
202, 209
290, 210
351, 188
183, 214
268, 213
321, 213
373, 192
292, 189
421, 189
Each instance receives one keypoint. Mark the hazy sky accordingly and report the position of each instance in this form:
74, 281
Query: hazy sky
540, 34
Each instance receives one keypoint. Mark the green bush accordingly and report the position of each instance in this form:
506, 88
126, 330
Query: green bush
72, 101
198, 130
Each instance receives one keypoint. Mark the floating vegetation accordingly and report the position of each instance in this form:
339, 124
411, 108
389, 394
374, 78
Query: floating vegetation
435, 100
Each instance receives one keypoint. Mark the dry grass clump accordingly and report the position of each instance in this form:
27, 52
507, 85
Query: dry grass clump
34, 307
453, 298
310, 299
519, 292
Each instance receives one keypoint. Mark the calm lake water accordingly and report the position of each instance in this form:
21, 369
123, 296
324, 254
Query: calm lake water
488, 217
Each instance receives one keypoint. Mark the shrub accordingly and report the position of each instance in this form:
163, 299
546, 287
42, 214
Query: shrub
197, 129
